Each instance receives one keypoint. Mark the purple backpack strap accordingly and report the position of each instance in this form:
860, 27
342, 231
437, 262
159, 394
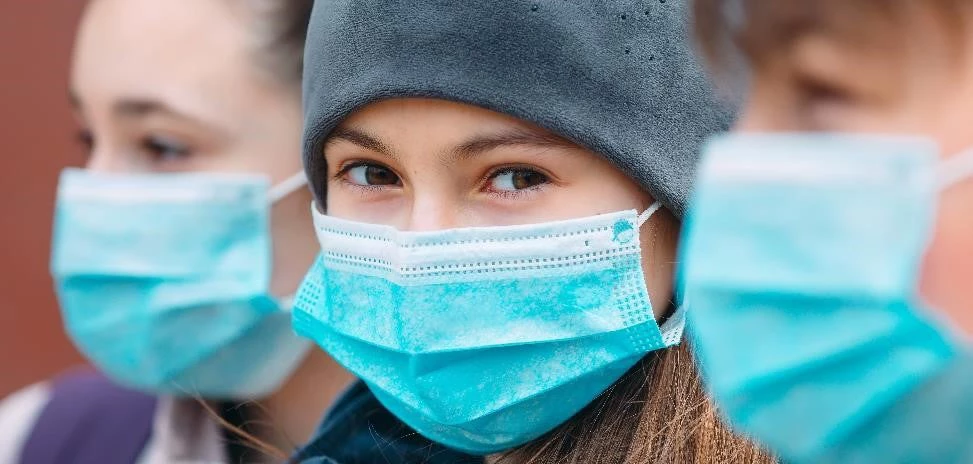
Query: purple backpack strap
89, 419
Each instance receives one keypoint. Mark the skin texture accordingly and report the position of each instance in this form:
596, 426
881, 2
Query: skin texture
831, 79
422, 164
172, 86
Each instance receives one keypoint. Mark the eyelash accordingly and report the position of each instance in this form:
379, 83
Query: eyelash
341, 177
156, 146
515, 194
86, 139
815, 95
812, 89
164, 149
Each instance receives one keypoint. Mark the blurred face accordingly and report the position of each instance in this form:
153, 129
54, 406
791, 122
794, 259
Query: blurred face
173, 86
423, 165
831, 80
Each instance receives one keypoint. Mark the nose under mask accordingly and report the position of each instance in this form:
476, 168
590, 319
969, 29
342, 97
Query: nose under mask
484, 338
163, 281
801, 257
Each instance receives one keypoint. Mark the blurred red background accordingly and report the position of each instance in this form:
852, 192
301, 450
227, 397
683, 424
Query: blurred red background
37, 131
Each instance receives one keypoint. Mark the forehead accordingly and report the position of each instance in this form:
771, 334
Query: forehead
766, 30
172, 49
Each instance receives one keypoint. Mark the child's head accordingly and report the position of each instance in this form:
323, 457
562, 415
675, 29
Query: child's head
876, 66
615, 77
436, 116
150, 98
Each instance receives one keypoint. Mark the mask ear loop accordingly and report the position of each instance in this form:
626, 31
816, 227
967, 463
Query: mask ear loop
672, 328
277, 193
645, 216
952, 171
287, 187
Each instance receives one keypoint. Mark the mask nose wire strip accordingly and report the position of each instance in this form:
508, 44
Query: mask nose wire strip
644, 217
286, 187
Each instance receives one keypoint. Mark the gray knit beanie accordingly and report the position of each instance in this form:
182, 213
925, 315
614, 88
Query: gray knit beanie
618, 77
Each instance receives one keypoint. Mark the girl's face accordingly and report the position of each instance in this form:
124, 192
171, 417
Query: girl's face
421, 165
172, 86
830, 80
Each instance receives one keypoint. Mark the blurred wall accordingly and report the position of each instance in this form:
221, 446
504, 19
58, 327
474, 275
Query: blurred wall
37, 134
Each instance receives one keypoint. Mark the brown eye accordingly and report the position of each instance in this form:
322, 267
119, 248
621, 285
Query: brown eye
371, 175
517, 179
161, 148
816, 92
86, 139
831, 83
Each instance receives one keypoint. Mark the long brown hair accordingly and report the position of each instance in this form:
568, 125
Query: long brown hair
657, 413
278, 29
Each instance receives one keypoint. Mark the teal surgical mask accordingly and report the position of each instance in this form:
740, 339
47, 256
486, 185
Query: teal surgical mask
801, 261
484, 339
163, 281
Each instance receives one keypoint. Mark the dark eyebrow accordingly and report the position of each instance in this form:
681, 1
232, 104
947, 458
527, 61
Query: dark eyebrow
360, 138
484, 143
140, 108
472, 147
136, 108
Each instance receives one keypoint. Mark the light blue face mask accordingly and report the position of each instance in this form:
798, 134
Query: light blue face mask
163, 281
801, 259
483, 339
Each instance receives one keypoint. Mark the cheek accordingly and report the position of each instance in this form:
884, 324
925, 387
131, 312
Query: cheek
945, 280
341, 205
371, 207
769, 106
658, 263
